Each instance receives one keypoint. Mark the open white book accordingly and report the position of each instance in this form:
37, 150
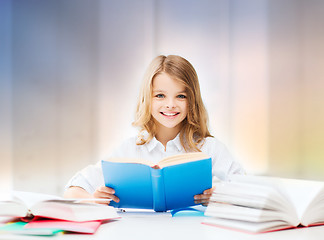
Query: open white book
29, 204
263, 204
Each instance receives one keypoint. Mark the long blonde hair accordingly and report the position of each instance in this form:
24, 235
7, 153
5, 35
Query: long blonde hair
195, 125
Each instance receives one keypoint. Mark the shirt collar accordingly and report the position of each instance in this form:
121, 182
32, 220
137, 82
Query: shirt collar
177, 142
154, 143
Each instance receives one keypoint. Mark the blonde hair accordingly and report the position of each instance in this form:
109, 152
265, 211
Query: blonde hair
195, 125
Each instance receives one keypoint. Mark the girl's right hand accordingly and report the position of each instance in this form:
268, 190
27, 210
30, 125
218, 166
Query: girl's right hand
105, 192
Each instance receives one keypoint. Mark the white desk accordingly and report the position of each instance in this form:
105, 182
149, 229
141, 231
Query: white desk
156, 226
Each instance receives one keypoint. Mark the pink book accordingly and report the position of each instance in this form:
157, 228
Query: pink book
80, 227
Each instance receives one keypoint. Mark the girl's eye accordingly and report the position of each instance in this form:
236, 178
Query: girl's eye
182, 96
159, 95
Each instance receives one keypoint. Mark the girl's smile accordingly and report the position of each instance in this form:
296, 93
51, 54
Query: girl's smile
170, 114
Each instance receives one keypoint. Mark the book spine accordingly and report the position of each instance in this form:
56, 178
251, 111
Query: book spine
159, 204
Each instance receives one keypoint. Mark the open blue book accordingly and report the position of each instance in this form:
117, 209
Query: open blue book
169, 185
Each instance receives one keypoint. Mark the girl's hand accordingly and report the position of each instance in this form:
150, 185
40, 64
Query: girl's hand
105, 192
204, 198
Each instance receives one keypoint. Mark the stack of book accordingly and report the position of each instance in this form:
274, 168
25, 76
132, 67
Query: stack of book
41, 214
259, 204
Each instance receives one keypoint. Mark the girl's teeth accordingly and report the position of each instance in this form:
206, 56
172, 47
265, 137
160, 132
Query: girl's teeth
169, 114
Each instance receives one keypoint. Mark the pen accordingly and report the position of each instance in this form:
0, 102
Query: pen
80, 200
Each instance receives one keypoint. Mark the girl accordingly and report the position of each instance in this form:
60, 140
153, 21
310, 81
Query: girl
172, 120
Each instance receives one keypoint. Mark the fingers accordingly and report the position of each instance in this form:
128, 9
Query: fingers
105, 192
209, 191
104, 189
204, 198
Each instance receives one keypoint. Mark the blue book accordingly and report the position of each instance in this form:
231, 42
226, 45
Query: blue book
169, 185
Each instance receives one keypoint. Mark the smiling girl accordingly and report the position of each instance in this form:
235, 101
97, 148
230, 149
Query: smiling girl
172, 120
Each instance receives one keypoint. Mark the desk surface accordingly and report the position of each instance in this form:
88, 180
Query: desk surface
155, 226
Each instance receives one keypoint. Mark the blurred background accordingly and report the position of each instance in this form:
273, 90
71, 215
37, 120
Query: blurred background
70, 72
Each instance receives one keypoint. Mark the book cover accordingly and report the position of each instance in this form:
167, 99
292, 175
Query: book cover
141, 186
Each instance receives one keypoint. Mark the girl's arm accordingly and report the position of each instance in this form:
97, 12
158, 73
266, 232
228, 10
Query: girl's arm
101, 192
76, 192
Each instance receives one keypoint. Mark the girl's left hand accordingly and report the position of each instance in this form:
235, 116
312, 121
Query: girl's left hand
204, 198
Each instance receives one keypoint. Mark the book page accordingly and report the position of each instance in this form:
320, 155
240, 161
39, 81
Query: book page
5, 196
31, 198
301, 193
74, 211
17, 203
248, 195
245, 226
182, 158
131, 160
168, 161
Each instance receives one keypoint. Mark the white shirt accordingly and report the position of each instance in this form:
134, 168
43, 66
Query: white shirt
223, 164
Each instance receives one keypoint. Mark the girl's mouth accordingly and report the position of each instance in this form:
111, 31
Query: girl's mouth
170, 114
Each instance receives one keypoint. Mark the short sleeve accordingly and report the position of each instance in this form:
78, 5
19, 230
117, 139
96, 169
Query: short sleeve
89, 178
224, 163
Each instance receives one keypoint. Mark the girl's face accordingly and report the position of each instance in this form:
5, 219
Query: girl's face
169, 102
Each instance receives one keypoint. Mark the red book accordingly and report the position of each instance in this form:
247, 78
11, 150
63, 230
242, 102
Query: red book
79, 227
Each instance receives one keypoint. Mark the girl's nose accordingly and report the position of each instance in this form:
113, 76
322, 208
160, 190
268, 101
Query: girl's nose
170, 104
